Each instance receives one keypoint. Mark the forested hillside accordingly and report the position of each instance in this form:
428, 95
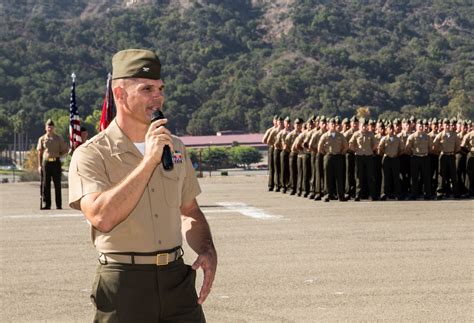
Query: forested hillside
232, 64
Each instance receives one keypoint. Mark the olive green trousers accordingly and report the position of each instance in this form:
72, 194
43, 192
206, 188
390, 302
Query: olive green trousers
146, 293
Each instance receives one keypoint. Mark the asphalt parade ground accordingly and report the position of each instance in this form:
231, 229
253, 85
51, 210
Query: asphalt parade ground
281, 258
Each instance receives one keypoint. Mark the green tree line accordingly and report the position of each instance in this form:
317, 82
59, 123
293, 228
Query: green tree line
222, 157
222, 70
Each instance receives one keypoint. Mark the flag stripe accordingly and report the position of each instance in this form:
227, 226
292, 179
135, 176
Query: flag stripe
74, 122
108, 108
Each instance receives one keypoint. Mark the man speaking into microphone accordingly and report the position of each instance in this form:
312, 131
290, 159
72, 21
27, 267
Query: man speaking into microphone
134, 206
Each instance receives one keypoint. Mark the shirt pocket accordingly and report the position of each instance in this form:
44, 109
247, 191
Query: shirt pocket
170, 185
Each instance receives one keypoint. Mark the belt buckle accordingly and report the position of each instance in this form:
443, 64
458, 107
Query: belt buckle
162, 259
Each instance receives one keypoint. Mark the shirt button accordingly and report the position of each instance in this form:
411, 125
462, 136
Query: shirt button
152, 189
159, 241
156, 215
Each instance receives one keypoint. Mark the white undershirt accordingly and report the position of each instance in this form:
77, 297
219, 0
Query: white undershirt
140, 146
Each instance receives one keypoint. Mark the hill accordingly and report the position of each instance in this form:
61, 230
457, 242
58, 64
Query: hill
232, 64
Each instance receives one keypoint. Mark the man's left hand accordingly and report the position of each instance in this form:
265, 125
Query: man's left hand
208, 262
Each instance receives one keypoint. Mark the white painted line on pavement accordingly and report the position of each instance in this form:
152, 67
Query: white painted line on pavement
249, 211
206, 211
223, 297
39, 216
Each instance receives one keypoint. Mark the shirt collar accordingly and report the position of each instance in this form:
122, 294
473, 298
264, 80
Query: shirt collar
119, 143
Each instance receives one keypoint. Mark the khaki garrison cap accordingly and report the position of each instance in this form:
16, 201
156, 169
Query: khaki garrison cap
49, 122
136, 63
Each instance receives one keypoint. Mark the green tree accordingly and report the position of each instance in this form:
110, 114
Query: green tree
245, 155
92, 122
6, 130
222, 71
215, 157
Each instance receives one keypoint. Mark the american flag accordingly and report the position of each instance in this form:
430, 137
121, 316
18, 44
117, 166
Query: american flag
74, 122
108, 108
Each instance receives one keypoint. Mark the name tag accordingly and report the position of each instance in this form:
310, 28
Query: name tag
391, 139
177, 157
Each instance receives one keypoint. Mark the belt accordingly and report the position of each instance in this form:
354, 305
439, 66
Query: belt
447, 154
52, 159
423, 155
159, 258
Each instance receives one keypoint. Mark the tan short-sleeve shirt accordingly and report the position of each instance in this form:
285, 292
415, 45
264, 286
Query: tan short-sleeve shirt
362, 143
404, 138
390, 146
447, 142
272, 136
289, 139
468, 141
332, 143
52, 146
155, 222
314, 140
266, 135
298, 143
419, 144
280, 139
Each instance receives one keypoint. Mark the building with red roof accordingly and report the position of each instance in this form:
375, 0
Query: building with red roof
225, 139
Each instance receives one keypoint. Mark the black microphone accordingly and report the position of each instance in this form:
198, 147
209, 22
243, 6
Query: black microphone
166, 158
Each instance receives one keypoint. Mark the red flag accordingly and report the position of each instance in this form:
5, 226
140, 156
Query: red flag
74, 123
108, 108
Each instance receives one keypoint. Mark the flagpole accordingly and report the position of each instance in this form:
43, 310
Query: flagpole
108, 105
74, 121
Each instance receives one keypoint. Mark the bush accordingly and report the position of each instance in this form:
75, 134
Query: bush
31, 161
30, 176
245, 155
215, 157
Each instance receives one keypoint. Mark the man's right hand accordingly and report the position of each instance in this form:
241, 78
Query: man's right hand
156, 139
39, 169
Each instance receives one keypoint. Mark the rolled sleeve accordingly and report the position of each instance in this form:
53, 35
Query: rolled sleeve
191, 187
87, 174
